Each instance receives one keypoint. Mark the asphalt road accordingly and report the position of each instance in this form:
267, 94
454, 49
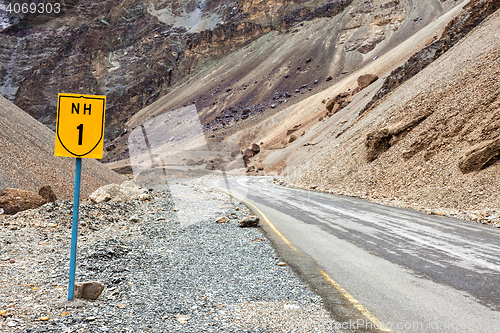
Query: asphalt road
411, 271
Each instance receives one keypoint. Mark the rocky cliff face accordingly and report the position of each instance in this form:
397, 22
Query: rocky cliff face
474, 13
138, 51
130, 51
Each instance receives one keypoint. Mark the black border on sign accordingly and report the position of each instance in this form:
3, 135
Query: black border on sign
102, 123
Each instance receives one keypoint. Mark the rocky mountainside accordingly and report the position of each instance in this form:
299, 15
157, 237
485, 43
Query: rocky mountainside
28, 160
430, 144
136, 52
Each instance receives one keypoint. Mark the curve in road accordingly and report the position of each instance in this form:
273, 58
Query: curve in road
412, 271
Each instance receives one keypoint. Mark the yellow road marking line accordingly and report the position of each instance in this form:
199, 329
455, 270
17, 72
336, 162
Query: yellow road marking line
344, 293
356, 304
263, 216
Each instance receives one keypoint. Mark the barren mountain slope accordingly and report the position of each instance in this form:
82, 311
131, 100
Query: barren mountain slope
28, 160
136, 51
308, 120
289, 64
432, 144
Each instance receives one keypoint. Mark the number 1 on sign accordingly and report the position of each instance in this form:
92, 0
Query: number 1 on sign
80, 134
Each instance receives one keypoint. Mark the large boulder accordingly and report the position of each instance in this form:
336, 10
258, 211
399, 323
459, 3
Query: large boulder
255, 148
480, 156
13, 200
247, 155
365, 80
116, 193
214, 164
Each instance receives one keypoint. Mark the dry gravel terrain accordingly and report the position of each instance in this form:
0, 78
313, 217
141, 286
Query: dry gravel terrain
166, 264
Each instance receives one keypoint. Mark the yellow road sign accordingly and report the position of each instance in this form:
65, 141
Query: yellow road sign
80, 125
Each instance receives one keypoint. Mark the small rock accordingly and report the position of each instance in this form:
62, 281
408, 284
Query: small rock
121, 306
329, 78
182, 318
110, 147
282, 264
222, 219
291, 307
144, 197
90, 319
44, 318
88, 290
134, 218
249, 221
12, 261
11, 323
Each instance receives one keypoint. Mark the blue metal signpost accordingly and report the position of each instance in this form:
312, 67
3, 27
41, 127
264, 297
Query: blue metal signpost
80, 134
74, 229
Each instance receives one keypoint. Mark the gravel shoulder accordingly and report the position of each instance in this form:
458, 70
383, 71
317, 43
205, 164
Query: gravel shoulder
166, 264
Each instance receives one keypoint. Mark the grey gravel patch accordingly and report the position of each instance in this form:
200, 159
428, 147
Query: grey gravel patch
170, 271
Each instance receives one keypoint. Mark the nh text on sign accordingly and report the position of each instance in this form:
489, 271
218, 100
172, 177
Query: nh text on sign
80, 125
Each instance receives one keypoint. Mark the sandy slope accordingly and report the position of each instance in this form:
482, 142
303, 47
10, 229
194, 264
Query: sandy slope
458, 99
307, 112
28, 161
